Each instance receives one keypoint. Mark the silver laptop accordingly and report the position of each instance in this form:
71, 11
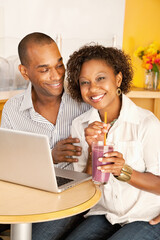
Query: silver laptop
25, 158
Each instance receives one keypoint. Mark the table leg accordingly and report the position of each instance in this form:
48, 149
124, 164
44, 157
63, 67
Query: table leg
21, 231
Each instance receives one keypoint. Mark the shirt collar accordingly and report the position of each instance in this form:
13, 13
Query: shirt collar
27, 100
91, 115
128, 113
64, 97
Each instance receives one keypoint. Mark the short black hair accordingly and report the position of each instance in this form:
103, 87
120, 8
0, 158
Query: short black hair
114, 57
35, 37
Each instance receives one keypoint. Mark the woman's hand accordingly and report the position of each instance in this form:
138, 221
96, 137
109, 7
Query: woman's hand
95, 132
155, 221
114, 163
114, 160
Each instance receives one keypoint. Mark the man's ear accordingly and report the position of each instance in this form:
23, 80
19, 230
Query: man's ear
23, 71
119, 78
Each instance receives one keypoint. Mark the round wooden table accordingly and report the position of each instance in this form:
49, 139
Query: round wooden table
21, 206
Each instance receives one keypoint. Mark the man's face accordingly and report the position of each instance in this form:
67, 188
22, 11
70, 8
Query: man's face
45, 69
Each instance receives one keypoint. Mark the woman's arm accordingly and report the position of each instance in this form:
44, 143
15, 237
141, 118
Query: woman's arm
145, 181
149, 136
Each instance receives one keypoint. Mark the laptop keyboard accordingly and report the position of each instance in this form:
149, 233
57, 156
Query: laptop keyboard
61, 180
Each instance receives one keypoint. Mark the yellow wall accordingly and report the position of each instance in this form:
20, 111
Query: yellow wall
141, 27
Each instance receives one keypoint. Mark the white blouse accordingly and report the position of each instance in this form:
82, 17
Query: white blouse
136, 135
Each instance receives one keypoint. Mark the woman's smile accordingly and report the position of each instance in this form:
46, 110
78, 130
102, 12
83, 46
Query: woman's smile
97, 98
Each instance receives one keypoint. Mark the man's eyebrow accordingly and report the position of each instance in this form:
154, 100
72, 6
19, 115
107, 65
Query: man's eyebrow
60, 59
42, 66
46, 65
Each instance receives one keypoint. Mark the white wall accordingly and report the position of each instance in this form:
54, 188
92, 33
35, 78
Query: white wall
77, 21
74, 22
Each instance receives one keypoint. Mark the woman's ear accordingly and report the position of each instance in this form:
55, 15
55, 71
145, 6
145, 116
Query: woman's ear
119, 78
23, 71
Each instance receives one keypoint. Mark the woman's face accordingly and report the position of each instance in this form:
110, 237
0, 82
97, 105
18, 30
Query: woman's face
98, 84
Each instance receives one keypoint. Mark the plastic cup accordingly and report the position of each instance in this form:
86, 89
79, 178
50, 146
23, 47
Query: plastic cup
98, 151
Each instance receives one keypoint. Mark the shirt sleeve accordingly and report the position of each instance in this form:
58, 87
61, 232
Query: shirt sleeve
150, 138
77, 131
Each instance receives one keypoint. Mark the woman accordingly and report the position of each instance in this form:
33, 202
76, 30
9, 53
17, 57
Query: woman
101, 76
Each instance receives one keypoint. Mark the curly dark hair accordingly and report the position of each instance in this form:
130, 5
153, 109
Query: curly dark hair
114, 57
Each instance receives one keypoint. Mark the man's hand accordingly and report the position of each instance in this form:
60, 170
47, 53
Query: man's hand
155, 221
65, 150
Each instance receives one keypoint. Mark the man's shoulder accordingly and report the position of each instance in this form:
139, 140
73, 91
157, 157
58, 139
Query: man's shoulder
14, 101
69, 100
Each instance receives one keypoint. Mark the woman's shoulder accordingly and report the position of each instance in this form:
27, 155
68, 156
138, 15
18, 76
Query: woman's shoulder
148, 122
136, 113
147, 115
84, 117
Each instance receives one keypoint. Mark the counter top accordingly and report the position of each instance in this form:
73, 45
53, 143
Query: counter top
143, 93
143, 98
134, 93
8, 94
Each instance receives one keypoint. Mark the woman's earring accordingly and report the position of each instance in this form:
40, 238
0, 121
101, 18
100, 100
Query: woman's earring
118, 91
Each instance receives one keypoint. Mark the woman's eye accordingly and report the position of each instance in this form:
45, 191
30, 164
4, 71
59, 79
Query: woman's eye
100, 78
84, 83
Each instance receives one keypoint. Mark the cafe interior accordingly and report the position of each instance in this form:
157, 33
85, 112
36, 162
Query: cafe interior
124, 24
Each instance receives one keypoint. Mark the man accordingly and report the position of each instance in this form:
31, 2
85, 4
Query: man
46, 109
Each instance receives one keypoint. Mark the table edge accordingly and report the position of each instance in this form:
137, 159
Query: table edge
31, 218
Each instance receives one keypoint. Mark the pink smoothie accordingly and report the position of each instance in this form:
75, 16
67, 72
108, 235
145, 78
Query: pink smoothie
97, 152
